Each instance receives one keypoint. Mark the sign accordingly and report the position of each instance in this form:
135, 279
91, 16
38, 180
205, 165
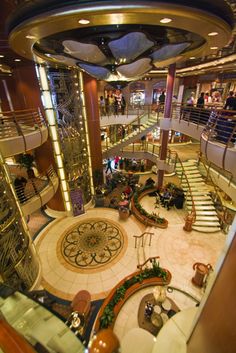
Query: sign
77, 202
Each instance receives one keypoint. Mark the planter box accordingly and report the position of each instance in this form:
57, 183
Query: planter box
129, 292
142, 218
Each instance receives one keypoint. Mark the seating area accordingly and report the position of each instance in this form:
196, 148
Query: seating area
117, 191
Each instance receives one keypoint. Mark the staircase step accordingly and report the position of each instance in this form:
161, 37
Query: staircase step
206, 213
194, 179
185, 168
199, 198
195, 188
206, 224
199, 203
206, 229
200, 193
205, 208
207, 218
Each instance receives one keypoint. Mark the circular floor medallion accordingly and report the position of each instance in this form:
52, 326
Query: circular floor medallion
92, 244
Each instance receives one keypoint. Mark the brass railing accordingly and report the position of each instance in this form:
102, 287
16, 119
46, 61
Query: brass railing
142, 238
141, 115
150, 259
221, 209
20, 122
220, 124
35, 186
183, 174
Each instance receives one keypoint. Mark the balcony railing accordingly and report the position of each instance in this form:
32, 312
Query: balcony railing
20, 122
220, 124
35, 186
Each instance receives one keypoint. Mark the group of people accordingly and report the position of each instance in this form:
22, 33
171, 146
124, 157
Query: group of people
112, 104
206, 98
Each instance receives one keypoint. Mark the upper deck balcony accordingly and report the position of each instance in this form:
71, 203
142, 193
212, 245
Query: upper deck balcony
21, 131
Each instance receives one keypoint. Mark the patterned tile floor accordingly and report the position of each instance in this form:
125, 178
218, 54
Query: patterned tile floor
178, 251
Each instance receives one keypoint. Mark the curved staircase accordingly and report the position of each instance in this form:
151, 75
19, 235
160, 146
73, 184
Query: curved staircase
147, 122
207, 220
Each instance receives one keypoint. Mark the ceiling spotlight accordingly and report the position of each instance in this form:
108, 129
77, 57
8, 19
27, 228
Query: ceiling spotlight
212, 34
213, 48
165, 20
192, 57
83, 21
17, 60
30, 37
1, 56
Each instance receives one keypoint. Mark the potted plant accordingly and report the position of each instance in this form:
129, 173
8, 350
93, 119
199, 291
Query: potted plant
27, 161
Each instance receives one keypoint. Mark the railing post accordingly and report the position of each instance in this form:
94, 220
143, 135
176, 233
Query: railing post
150, 239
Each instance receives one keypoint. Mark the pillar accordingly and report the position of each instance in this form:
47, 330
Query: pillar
93, 119
167, 114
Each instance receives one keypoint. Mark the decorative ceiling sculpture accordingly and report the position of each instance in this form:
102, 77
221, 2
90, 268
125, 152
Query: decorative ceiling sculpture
110, 54
119, 42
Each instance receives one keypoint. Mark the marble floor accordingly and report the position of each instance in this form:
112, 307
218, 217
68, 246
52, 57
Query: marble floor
178, 251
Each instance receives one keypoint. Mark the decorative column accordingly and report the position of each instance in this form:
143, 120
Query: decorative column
93, 119
19, 263
64, 104
167, 115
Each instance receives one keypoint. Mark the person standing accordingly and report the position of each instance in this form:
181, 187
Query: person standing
201, 101
230, 103
102, 106
123, 105
109, 166
116, 106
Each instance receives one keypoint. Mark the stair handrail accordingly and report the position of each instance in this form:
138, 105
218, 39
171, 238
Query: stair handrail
150, 259
129, 127
193, 210
142, 236
222, 218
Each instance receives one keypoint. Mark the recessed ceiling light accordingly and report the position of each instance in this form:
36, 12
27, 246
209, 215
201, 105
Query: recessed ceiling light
192, 57
83, 21
213, 48
30, 37
165, 20
212, 34
1, 56
17, 60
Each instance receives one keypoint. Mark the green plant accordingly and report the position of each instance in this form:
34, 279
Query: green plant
26, 161
107, 317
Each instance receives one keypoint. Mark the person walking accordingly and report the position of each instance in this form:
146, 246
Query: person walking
109, 166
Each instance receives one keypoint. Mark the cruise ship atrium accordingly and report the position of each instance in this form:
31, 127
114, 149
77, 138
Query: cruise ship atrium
117, 176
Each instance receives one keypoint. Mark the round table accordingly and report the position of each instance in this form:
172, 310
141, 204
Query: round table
154, 324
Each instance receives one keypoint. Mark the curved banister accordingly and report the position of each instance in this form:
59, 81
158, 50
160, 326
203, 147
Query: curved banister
193, 210
142, 114
222, 218
35, 186
20, 122
150, 259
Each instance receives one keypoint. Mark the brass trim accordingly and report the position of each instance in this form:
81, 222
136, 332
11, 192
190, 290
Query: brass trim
186, 18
